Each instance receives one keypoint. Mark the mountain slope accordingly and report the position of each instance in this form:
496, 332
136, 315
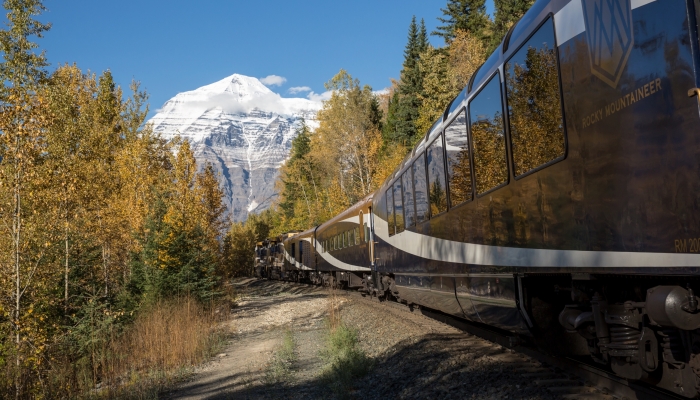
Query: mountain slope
243, 129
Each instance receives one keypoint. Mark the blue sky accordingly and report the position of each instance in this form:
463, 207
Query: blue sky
176, 45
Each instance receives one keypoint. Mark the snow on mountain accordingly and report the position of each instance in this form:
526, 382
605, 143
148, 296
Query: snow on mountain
243, 129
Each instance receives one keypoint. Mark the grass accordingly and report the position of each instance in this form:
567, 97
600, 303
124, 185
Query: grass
162, 346
281, 368
345, 360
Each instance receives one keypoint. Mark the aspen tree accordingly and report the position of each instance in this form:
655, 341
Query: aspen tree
21, 72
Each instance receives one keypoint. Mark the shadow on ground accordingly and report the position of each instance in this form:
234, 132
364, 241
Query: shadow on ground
434, 366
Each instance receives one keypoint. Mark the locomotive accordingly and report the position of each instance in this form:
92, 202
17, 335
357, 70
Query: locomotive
557, 197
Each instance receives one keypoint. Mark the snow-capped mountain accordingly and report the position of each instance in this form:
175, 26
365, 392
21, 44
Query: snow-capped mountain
243, 129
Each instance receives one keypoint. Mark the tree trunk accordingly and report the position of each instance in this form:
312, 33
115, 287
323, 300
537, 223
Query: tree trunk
17, 228
65, 289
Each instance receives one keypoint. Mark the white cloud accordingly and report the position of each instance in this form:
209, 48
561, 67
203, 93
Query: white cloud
319, 97
273, 80
381, 92
270, 102
299, 89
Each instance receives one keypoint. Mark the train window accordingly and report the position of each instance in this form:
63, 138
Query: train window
488, 140
458, 165
534, 103
293, 252
390, 211
366, 233
436, 177
420, 189
398, 207
357, 236
409, 209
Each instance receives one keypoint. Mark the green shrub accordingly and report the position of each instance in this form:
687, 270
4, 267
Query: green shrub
345, 361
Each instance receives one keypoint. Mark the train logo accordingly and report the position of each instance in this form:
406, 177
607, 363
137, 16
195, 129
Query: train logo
610, 37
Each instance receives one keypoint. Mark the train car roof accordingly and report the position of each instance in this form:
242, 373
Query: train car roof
352, 210
300, 234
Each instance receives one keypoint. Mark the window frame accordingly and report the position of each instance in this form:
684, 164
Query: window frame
441, 137
409, 171
403, 212
506, 134
471, 159
391, 216
424, 156
561, 99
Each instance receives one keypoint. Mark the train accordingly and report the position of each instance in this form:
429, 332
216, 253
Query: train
556, 199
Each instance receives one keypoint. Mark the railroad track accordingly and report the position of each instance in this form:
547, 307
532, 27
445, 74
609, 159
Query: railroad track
564, 377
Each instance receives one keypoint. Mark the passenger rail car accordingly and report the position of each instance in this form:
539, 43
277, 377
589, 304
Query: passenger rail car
558, 197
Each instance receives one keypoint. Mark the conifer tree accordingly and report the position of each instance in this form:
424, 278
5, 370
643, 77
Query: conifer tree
389, 128
507, 13
466, 15
410, 88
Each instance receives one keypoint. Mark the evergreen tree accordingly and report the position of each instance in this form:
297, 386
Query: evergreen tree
507, 13
389, 129
411, 86
466, 15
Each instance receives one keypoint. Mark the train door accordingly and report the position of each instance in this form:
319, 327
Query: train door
301, 251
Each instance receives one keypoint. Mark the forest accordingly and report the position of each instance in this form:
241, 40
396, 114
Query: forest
112, 239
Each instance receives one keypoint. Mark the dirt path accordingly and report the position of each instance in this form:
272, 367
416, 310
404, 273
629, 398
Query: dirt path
265, 313
412, 356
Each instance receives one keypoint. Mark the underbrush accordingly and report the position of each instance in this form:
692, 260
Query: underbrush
281, 368
161, 346
345, 360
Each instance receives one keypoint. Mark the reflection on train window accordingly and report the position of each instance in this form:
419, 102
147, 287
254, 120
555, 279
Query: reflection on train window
534, 104
366, 233
488, 140
390, 211
420, 189
398, 207
436, 178
409, 209
357, 236
458, 165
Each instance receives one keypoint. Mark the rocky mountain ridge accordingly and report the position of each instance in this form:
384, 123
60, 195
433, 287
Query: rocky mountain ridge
243, 129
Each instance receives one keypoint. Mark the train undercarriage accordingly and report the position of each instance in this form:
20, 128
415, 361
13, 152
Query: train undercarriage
641, 327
